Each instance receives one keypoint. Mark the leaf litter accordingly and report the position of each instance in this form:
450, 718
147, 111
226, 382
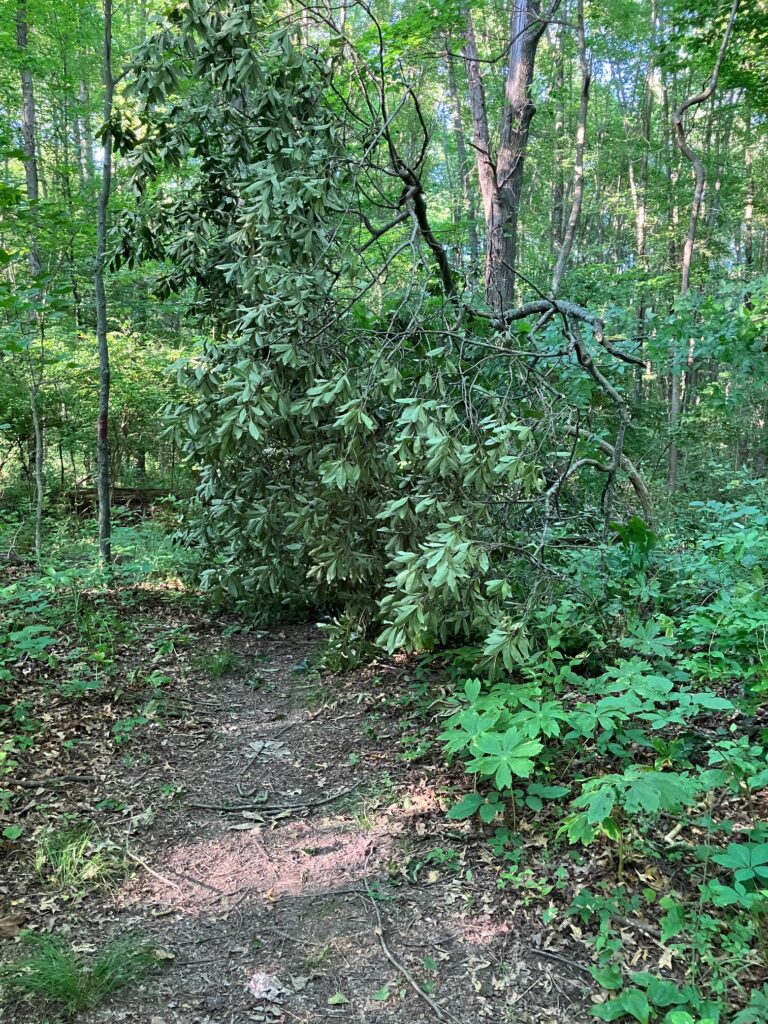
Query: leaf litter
322, 893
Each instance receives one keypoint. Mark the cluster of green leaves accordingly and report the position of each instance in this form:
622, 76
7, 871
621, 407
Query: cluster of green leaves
658, 728
337, 468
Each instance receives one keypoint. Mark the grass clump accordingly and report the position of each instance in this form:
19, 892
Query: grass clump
219, 664
51, 970
72, 859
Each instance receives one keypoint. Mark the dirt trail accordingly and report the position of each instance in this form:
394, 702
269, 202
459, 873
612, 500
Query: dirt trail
292, 877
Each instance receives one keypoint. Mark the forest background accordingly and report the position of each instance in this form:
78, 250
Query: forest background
446, 325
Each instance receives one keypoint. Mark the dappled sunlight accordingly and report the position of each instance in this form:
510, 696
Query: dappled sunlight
295, 858
482, 931
299, 858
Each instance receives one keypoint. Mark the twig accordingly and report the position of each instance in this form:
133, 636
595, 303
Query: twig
549, 955
179, 874
402, 969
654, 934
155, 874
59, 780
388, 954
284, 730
321, 895
271, 808
675, 832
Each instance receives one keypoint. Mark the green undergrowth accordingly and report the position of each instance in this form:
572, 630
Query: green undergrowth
68, 628
626, 721
73, 859
49, 969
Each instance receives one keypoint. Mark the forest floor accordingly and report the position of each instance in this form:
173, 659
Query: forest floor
272, 841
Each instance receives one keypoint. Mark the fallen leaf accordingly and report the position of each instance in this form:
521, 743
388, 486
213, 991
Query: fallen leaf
338, 1000
10, 925
665, 960
266, 986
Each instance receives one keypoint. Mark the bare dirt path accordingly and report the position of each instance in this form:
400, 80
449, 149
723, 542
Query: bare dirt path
298, 869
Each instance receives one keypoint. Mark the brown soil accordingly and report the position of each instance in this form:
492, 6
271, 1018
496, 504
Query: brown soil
327, 908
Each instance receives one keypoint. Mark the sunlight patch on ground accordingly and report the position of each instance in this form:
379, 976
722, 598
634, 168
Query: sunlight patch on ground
299, 858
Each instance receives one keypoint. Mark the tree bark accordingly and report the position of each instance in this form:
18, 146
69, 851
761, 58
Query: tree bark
501, 178
578, 171
102, 432
558, 187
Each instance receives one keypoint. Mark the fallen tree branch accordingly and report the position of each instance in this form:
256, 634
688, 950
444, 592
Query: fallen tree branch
629, 468
564, 308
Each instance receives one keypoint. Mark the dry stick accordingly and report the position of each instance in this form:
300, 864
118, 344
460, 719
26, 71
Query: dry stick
641, 926
179, 874
550, 955
155, 874
402, 969
59, 780
272, 808
321, 895
388, 954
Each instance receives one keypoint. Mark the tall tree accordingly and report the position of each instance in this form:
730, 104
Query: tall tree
31, 172
501, 171
103, 483
464, 168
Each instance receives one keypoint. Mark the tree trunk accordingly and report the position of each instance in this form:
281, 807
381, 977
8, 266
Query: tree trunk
33, 195
86, 131
749, 203
102, 442
29, 127
464, 172
578, 171
558, 187
501, 179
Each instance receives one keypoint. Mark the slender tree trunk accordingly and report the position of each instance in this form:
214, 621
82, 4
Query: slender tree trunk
102, 446
749, 203
723, 153
31, 173
37, 425
578, 171
86, 131
641, 220
29, 126
690, 239
464, 170
558, 187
